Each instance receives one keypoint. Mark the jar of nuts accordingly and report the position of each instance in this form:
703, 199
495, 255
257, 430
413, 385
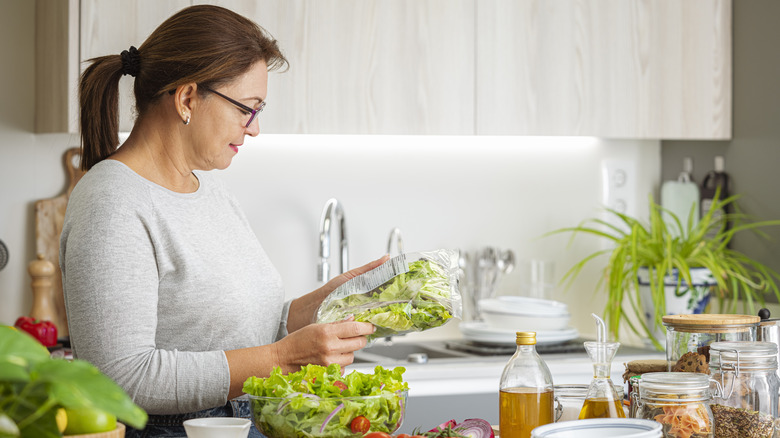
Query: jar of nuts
688, 337
746, 405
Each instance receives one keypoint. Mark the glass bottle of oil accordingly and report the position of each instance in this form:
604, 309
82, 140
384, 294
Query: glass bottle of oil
602, 400
525, 391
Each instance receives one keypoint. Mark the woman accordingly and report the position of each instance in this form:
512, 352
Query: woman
166, 287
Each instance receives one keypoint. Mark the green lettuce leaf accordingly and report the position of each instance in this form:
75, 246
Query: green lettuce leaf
305, 400
417, 300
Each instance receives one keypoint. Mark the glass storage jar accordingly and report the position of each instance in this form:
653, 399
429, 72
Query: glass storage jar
688, 337
679, 401
747, 402
570, 398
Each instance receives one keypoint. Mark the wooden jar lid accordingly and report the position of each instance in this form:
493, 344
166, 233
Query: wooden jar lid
711, 319
710, 322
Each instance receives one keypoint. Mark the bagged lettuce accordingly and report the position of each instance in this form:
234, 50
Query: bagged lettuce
409, 293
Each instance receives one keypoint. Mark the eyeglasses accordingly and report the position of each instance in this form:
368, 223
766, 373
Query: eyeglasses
245, 109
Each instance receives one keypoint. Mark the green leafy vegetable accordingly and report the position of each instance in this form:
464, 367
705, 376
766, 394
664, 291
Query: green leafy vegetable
318, 402
416, 300
33, 386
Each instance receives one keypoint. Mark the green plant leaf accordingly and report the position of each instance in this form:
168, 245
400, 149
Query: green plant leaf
12, 372
78, 383
19, 348
739, 278
44, 426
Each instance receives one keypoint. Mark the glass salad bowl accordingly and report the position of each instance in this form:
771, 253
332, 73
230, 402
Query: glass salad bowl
308, 415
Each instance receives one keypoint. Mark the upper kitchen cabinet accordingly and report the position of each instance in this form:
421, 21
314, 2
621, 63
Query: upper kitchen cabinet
369, 66
110, 26
56, 65
606, 68
70, 32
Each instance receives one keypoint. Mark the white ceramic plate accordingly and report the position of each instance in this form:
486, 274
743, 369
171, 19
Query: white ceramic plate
479, 331
513, 305
526, 322
600, 428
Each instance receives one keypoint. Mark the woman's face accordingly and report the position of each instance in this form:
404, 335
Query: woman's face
220, 126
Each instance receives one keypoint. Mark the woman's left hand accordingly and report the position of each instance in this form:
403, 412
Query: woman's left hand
302, 310
322, 344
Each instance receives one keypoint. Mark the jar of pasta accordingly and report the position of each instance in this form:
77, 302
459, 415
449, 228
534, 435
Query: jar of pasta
746, 405
679, 401
688, 337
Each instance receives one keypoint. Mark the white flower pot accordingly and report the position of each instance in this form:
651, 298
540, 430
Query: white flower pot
688, 299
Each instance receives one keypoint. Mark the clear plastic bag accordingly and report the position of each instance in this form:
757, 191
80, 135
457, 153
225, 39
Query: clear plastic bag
409, 293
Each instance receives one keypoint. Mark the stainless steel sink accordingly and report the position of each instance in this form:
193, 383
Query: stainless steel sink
412, 352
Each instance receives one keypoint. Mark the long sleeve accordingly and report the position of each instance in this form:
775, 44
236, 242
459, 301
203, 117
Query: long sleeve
159, 284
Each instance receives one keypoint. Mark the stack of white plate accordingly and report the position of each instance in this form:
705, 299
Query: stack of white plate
503, 316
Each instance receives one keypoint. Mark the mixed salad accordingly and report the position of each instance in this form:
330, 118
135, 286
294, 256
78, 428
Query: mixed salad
421, 297
318, 401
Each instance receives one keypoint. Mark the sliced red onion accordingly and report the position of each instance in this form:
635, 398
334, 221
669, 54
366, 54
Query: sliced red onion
475, 428
443, 426
330, 416
282, 406
402, 410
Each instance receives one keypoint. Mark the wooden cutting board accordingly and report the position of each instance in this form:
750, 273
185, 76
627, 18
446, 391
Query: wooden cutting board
49, 216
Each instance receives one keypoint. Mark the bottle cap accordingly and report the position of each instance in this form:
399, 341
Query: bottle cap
525, 338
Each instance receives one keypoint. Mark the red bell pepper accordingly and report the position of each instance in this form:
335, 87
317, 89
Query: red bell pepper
44, 331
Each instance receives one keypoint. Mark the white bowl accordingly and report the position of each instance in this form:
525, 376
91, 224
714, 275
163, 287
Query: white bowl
524, 314
524, 306
600, 428
217, 427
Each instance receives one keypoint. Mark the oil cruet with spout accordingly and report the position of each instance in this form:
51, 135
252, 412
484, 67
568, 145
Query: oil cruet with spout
602, 400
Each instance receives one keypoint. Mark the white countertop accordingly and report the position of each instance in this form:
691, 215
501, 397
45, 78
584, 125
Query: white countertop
482, 375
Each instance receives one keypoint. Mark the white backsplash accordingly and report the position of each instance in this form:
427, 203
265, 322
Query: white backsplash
461, 192
442, 192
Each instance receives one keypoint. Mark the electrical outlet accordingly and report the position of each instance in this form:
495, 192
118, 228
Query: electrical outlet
619, 188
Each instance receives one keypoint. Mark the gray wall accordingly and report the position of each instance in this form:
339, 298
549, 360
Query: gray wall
753, 155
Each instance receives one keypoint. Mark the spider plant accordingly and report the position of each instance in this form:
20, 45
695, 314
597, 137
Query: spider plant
665, 245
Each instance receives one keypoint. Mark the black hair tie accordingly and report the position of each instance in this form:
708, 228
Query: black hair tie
131, 62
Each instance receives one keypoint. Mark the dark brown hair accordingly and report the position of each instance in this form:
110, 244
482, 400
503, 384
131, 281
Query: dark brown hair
205, 44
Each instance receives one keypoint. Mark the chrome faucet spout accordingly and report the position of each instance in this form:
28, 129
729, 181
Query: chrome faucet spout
395, 236
333, 211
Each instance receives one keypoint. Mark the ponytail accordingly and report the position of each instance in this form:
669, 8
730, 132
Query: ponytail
204, 44
99, 109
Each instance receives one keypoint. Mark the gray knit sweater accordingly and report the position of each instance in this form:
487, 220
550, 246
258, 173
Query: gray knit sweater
158, 284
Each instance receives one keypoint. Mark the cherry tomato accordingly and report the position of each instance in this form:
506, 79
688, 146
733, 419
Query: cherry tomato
403, 435
377, 435
341, 385
360, 424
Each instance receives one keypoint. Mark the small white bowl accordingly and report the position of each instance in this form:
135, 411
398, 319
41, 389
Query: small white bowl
524, 314
217, 427
600, 428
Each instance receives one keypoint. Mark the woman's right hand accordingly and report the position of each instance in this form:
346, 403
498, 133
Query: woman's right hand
323, 344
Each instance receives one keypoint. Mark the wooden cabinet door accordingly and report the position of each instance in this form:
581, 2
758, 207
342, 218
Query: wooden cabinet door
607, 68
369, 66
111, 26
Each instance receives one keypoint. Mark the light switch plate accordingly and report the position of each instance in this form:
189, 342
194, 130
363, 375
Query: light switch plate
619, 179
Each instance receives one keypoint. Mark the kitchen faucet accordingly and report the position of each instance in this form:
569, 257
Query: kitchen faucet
395, 236
332, 210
